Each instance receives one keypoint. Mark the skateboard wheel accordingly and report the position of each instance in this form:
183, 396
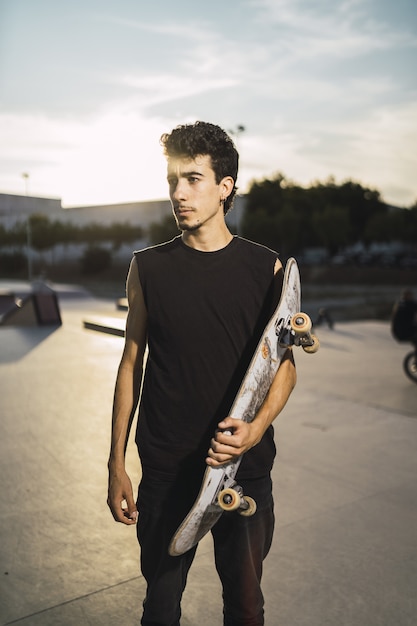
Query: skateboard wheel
251, 509
229, 499
300, 323
314, 346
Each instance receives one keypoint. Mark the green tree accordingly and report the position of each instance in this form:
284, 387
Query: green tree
92, 233
288, 224
123, 232
95, 260
166, 229
266, 195
284, 215
383, 228
42, 236
17, 235
65, 232
410, 235
260, 226
332, 227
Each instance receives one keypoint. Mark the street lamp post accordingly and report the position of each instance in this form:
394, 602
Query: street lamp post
25, 177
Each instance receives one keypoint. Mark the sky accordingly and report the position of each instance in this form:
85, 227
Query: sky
323, 88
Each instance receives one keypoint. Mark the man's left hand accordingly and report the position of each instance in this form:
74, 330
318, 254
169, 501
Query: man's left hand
233, 438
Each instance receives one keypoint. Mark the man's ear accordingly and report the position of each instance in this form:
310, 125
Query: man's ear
226, 186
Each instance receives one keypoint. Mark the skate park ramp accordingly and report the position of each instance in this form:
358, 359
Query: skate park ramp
36, 308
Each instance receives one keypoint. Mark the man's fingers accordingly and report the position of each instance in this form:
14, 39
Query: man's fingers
216, 459
130, 511
220, 454
122, 511
123, 515
227, 443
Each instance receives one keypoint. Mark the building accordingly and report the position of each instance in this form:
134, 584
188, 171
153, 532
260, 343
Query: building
15, 209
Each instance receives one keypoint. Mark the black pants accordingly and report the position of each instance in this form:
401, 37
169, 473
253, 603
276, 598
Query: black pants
240, 544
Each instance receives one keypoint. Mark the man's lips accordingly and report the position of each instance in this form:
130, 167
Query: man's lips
183, 210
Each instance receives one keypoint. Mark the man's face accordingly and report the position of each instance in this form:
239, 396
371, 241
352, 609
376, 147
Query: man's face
194, 193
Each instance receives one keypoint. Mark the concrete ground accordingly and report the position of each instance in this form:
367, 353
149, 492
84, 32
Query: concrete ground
345, 547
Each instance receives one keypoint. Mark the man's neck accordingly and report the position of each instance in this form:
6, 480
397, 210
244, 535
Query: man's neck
207, 241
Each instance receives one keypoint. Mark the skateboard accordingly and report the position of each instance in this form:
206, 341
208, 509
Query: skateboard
219, 491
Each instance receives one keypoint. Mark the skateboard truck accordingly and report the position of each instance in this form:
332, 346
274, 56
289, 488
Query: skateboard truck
232, 499
296, 331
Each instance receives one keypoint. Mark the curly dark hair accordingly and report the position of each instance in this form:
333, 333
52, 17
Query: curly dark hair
201, 139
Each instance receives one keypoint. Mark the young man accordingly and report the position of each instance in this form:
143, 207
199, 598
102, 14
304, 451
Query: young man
200, 303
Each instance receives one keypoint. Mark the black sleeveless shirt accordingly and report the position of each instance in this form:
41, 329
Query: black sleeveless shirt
206, 312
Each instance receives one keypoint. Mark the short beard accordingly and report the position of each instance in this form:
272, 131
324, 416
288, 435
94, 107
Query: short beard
190, 228
187, 227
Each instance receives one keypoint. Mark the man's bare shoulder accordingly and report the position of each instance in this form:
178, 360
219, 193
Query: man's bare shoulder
278, 266
134, 290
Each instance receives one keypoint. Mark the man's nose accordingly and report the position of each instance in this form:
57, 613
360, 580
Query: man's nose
179, 192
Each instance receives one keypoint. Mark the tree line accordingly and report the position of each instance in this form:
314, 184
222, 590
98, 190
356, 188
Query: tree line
278, 213
290, 218
44, 233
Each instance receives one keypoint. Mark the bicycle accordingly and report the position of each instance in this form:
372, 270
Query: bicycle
410, 365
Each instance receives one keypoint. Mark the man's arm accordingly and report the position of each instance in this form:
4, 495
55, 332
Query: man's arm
126, 396
246, 435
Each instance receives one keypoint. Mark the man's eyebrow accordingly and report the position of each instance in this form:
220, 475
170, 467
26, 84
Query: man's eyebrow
186, 174
191, 173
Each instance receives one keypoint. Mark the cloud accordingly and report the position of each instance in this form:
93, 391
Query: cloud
377, 150
336, 30
112, 157
180, 61
312, 83
30, 136
156, 88
383, 145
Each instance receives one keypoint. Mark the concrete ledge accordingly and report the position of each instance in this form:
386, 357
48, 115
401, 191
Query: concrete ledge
122, 304
109, 325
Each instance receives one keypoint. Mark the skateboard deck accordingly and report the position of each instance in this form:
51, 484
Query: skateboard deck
219, 491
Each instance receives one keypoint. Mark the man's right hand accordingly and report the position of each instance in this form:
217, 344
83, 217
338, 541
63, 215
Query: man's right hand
120, 498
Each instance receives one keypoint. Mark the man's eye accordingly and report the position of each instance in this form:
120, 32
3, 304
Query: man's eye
193, 179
